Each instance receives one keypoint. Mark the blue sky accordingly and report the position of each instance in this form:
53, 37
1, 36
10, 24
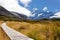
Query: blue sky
52, 5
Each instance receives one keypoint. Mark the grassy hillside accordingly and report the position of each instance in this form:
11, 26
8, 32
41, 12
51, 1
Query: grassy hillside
43, 30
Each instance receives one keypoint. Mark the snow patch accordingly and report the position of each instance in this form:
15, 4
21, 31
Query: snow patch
57, 15
45, 9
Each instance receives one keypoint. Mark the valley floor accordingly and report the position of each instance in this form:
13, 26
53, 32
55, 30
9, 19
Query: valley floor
43, 30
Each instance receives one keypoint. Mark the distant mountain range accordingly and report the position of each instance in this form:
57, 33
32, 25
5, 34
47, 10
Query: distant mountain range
36, 15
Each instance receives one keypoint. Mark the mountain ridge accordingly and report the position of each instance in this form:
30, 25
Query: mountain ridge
13, 15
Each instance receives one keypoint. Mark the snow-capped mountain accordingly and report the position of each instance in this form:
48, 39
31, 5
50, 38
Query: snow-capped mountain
44, 14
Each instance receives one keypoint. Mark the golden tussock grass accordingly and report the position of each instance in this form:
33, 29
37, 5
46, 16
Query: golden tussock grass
44, 30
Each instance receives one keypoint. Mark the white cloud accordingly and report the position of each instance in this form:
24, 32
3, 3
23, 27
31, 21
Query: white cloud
12, 5
45, 8
57, 15
25, 2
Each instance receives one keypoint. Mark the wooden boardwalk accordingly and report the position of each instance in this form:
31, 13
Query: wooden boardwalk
14, 35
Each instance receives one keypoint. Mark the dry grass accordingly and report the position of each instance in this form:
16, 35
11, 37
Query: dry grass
3, 35
45, 30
